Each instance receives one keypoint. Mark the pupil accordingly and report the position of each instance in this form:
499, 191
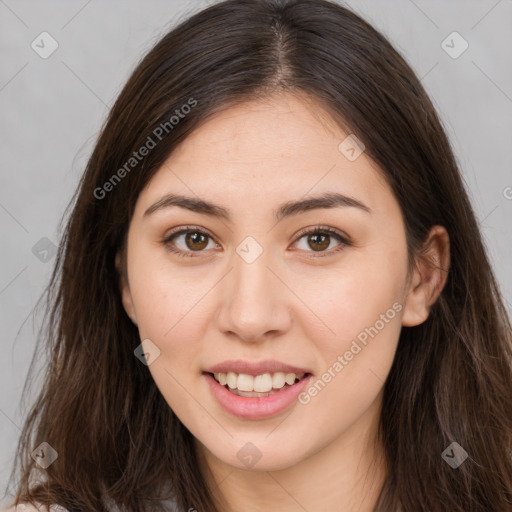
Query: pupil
324, 238
195, 238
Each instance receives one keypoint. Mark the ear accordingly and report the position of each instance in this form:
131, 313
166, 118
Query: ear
124, 288
428, 278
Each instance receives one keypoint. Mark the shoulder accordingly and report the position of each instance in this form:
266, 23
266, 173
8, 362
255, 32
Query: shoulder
32, 508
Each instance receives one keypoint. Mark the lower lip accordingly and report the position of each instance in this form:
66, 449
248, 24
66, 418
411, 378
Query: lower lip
256, 408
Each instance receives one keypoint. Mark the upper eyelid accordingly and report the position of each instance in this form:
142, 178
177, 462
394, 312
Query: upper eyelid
184, 229
321, 228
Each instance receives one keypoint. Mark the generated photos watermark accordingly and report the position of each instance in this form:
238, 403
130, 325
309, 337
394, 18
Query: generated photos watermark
152, 140
343, 360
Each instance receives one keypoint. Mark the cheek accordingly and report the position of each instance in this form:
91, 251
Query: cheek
357, 350
359, 306
171, 320
169, 314
360, 299
163, 295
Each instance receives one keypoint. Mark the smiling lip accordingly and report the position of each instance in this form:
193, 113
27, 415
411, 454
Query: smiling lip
268, 366
256, 408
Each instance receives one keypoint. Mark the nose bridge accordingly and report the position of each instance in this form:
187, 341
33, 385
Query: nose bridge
254, 301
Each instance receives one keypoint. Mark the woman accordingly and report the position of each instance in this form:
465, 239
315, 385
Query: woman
272, 292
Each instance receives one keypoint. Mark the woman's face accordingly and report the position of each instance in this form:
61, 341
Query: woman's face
252, 294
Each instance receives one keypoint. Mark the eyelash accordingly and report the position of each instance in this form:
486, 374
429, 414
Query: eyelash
317, 230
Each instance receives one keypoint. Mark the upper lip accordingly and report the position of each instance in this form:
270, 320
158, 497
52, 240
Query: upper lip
255, 368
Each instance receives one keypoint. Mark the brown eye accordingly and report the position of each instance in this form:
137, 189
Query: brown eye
196, 241
188, 241
319, 242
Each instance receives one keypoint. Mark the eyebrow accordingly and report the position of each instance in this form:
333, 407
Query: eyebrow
197, 205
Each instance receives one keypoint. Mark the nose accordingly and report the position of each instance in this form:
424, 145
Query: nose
254, 304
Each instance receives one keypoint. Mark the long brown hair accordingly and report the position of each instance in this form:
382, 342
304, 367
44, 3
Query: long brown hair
451, 381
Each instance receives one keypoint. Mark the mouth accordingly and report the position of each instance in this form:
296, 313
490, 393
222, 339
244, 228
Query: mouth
257, 386
256, 397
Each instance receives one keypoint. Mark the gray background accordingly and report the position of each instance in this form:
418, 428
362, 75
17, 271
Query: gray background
52, 109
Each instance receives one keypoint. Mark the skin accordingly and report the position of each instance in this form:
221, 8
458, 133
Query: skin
293, 303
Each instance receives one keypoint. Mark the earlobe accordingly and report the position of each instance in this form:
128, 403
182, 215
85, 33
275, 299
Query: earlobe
415, 310
124, 288
429, 277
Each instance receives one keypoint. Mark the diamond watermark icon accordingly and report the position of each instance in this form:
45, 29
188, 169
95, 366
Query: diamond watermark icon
44, 250
44, 455
147, 352
249, 455
454, 45
44, 45
249, 249
454, 455
351, 147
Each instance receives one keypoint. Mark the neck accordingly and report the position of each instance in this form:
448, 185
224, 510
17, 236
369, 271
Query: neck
346, 474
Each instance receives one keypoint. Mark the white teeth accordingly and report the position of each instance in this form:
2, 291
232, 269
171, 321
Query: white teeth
231, 379
278, 380
260, 384
245, 382
290, 378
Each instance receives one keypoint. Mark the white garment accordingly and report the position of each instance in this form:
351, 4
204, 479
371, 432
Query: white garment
172, 507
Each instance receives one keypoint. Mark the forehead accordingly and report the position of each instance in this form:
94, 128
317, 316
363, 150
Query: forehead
278, 148
282, 126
